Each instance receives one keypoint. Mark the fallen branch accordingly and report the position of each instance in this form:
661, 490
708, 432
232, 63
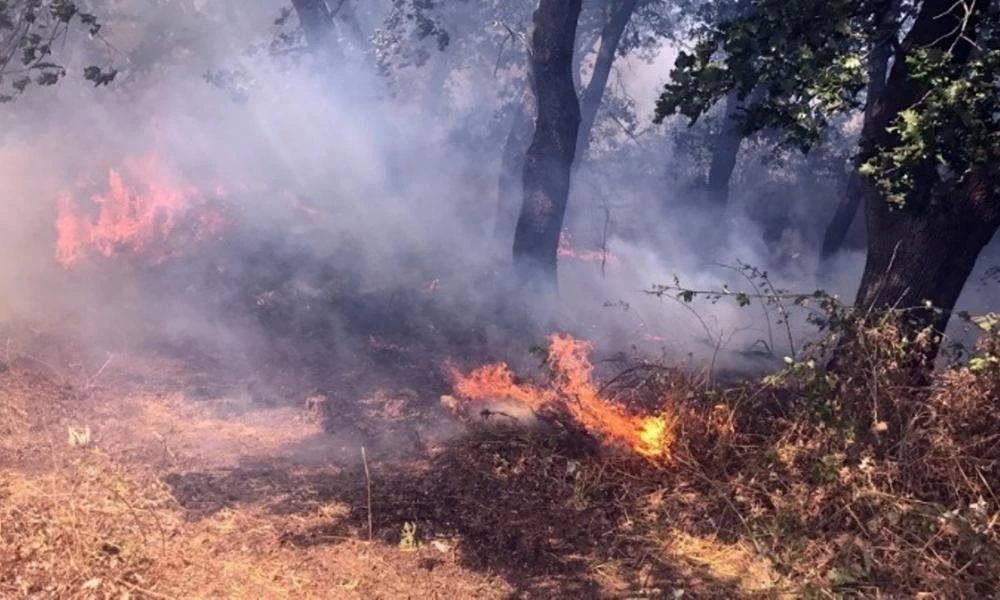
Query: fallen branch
368, 487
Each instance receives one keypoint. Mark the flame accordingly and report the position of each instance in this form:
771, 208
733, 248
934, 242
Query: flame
69, 246
650, 436
496, 381
138, 212
566, 250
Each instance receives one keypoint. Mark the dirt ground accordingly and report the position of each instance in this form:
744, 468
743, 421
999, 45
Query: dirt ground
151, 475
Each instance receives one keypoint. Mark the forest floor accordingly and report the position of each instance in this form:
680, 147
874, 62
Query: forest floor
157, 475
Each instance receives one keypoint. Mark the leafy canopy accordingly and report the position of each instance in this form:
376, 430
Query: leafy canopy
808, 60
28, 31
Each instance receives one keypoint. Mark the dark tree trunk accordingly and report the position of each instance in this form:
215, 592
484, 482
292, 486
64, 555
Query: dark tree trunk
724, 153
348, 16
317, 24
511, 184
519, 138
926, 256
726, 145
549, 160
619, 14
924, 253
878, 68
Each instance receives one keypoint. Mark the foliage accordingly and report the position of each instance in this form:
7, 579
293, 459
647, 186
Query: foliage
408, 537
417, 20
491, 37
28, 31
956, 125
809, 57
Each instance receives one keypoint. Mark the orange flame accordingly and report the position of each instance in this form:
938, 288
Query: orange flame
137, 218
566, 250
650, 436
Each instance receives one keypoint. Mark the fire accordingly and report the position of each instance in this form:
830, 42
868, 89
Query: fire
496, 381
566, 250
650, 436
141, 208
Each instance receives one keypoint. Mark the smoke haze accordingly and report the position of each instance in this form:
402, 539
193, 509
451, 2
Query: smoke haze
349, 202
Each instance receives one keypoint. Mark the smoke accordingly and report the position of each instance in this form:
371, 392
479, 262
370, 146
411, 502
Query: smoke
356, 209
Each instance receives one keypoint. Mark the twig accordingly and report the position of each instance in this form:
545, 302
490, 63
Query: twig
104, 366
368, 487
604, 236
767, 315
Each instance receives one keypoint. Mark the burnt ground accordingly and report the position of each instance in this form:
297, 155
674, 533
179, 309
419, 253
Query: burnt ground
197, 481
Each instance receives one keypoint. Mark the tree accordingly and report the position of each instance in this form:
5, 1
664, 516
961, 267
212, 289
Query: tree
511, 180
28, 31
928, 153
618, 14
878, 69
727, 140
317, 22
549, 160
617, 32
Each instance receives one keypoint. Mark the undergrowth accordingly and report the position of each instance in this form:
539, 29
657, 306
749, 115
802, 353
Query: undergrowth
858, 479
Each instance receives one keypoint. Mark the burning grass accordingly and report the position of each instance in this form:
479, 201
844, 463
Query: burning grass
799, 487
856, 482
574, 390
567, 250
140, 212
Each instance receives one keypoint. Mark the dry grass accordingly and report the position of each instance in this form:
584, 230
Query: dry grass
809, 487
100, 521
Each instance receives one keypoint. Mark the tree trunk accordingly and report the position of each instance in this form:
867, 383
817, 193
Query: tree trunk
348, 16
726, 147
927, 256
919, 254
724, 153
511, 184
878, 68
317, 24
619, 14
549, 160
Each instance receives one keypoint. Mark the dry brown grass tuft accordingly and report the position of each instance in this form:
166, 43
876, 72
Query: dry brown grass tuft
862, 482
